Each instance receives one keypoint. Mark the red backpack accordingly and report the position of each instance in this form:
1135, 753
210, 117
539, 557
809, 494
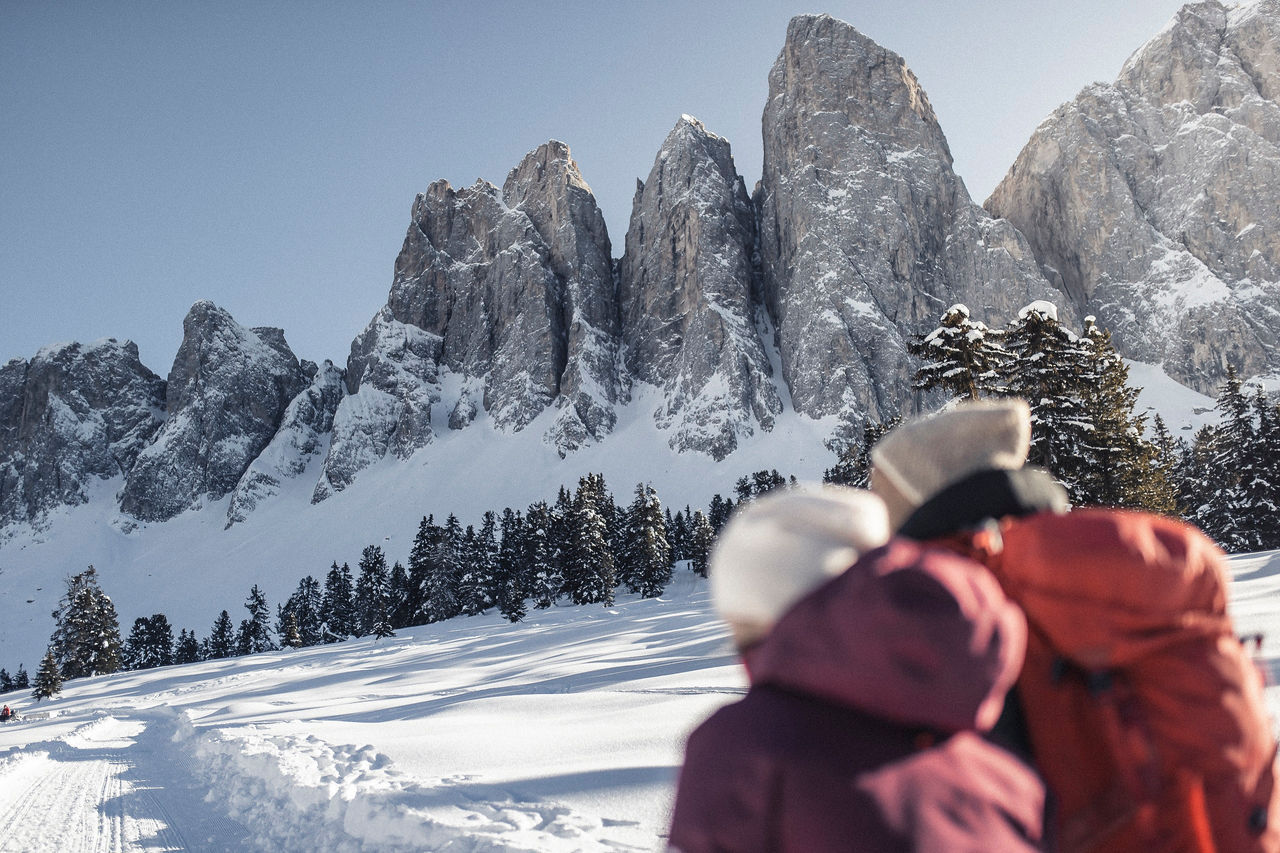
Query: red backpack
1145, 712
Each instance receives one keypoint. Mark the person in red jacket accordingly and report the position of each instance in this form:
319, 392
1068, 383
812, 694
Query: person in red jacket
872, 670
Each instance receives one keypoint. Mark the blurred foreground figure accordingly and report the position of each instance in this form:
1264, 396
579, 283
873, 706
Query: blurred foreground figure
872, 669
1136, 702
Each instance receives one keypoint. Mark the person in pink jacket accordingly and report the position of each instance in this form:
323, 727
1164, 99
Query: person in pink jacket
873, 670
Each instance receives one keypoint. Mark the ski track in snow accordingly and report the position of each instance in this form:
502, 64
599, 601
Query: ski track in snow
103, 788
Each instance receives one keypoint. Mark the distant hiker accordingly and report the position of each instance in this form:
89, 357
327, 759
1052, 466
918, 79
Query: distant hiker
867, 684
1136, 702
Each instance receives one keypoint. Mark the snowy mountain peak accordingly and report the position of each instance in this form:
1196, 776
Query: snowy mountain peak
1152, 201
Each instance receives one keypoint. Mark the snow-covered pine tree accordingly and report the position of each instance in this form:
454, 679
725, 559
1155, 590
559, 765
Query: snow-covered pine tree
48, 682
961, 357
440, 586
290, 638
678, 534
422, 558
373, 594
1262, 480
589, 576
477, 588
255, 632
759, 483
6, 681
644, 566
20, 681
306, 603
1049, 370
1116, 466
187, 649
337, 610
1199, 479
701, 537
86, 637
402, 596
1227, 513
150, 643
540, 558
510, 574
222, 638
1161, 493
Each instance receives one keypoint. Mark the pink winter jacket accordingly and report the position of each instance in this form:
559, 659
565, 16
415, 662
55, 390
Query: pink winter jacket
860, 728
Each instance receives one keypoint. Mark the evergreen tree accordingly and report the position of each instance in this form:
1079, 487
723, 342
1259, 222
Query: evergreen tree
759, 483
86, 638
48, 681
20, 681
6, 681
337, 610
1164, 493
421, 569
222, 639
853, 467
476, 568
678, 534
440, 586
645, 563
701, 537
188, 648
1116, 464
255, 632
718, 513
373, 594
1262, 478
402, 610
290, 638
589, 573
1050, 370
961, 357
307, 604
1226, 515
150, 643
511, 579
540, 557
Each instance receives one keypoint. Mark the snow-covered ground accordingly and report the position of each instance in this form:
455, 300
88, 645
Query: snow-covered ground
563, 732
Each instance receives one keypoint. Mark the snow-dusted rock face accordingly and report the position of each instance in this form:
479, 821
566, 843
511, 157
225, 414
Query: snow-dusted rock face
685, 290
548, 188
866, 233
510, 289
73, 414
1154, 202
303, 434
225, 398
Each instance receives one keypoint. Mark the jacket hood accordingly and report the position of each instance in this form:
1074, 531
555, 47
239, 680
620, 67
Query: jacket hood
911, 633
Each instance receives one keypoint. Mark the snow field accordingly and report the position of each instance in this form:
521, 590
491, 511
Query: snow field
561, 733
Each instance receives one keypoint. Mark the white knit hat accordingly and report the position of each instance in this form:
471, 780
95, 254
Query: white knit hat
922, 457
786, 543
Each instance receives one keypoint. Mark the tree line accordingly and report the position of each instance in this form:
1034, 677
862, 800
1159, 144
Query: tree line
580, 548
1084, 430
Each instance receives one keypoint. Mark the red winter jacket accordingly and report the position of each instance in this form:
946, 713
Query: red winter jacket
858, 732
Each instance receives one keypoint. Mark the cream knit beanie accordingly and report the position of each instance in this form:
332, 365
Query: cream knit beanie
922, 457
786, 543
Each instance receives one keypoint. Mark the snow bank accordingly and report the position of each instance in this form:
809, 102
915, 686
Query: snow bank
299, 793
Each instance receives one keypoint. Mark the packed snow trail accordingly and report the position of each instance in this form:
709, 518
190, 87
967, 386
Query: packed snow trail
108, 786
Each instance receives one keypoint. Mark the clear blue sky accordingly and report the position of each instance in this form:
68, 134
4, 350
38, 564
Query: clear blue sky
265, 155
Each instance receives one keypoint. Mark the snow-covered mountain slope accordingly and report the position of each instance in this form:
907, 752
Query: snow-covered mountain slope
561, 733
194, 565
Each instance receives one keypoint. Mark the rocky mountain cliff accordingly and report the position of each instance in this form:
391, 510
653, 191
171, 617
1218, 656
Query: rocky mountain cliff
224, 400
1152, 202
726, 313
866, 233
72, 415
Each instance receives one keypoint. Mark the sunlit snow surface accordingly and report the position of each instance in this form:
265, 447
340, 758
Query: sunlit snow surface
563, 732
